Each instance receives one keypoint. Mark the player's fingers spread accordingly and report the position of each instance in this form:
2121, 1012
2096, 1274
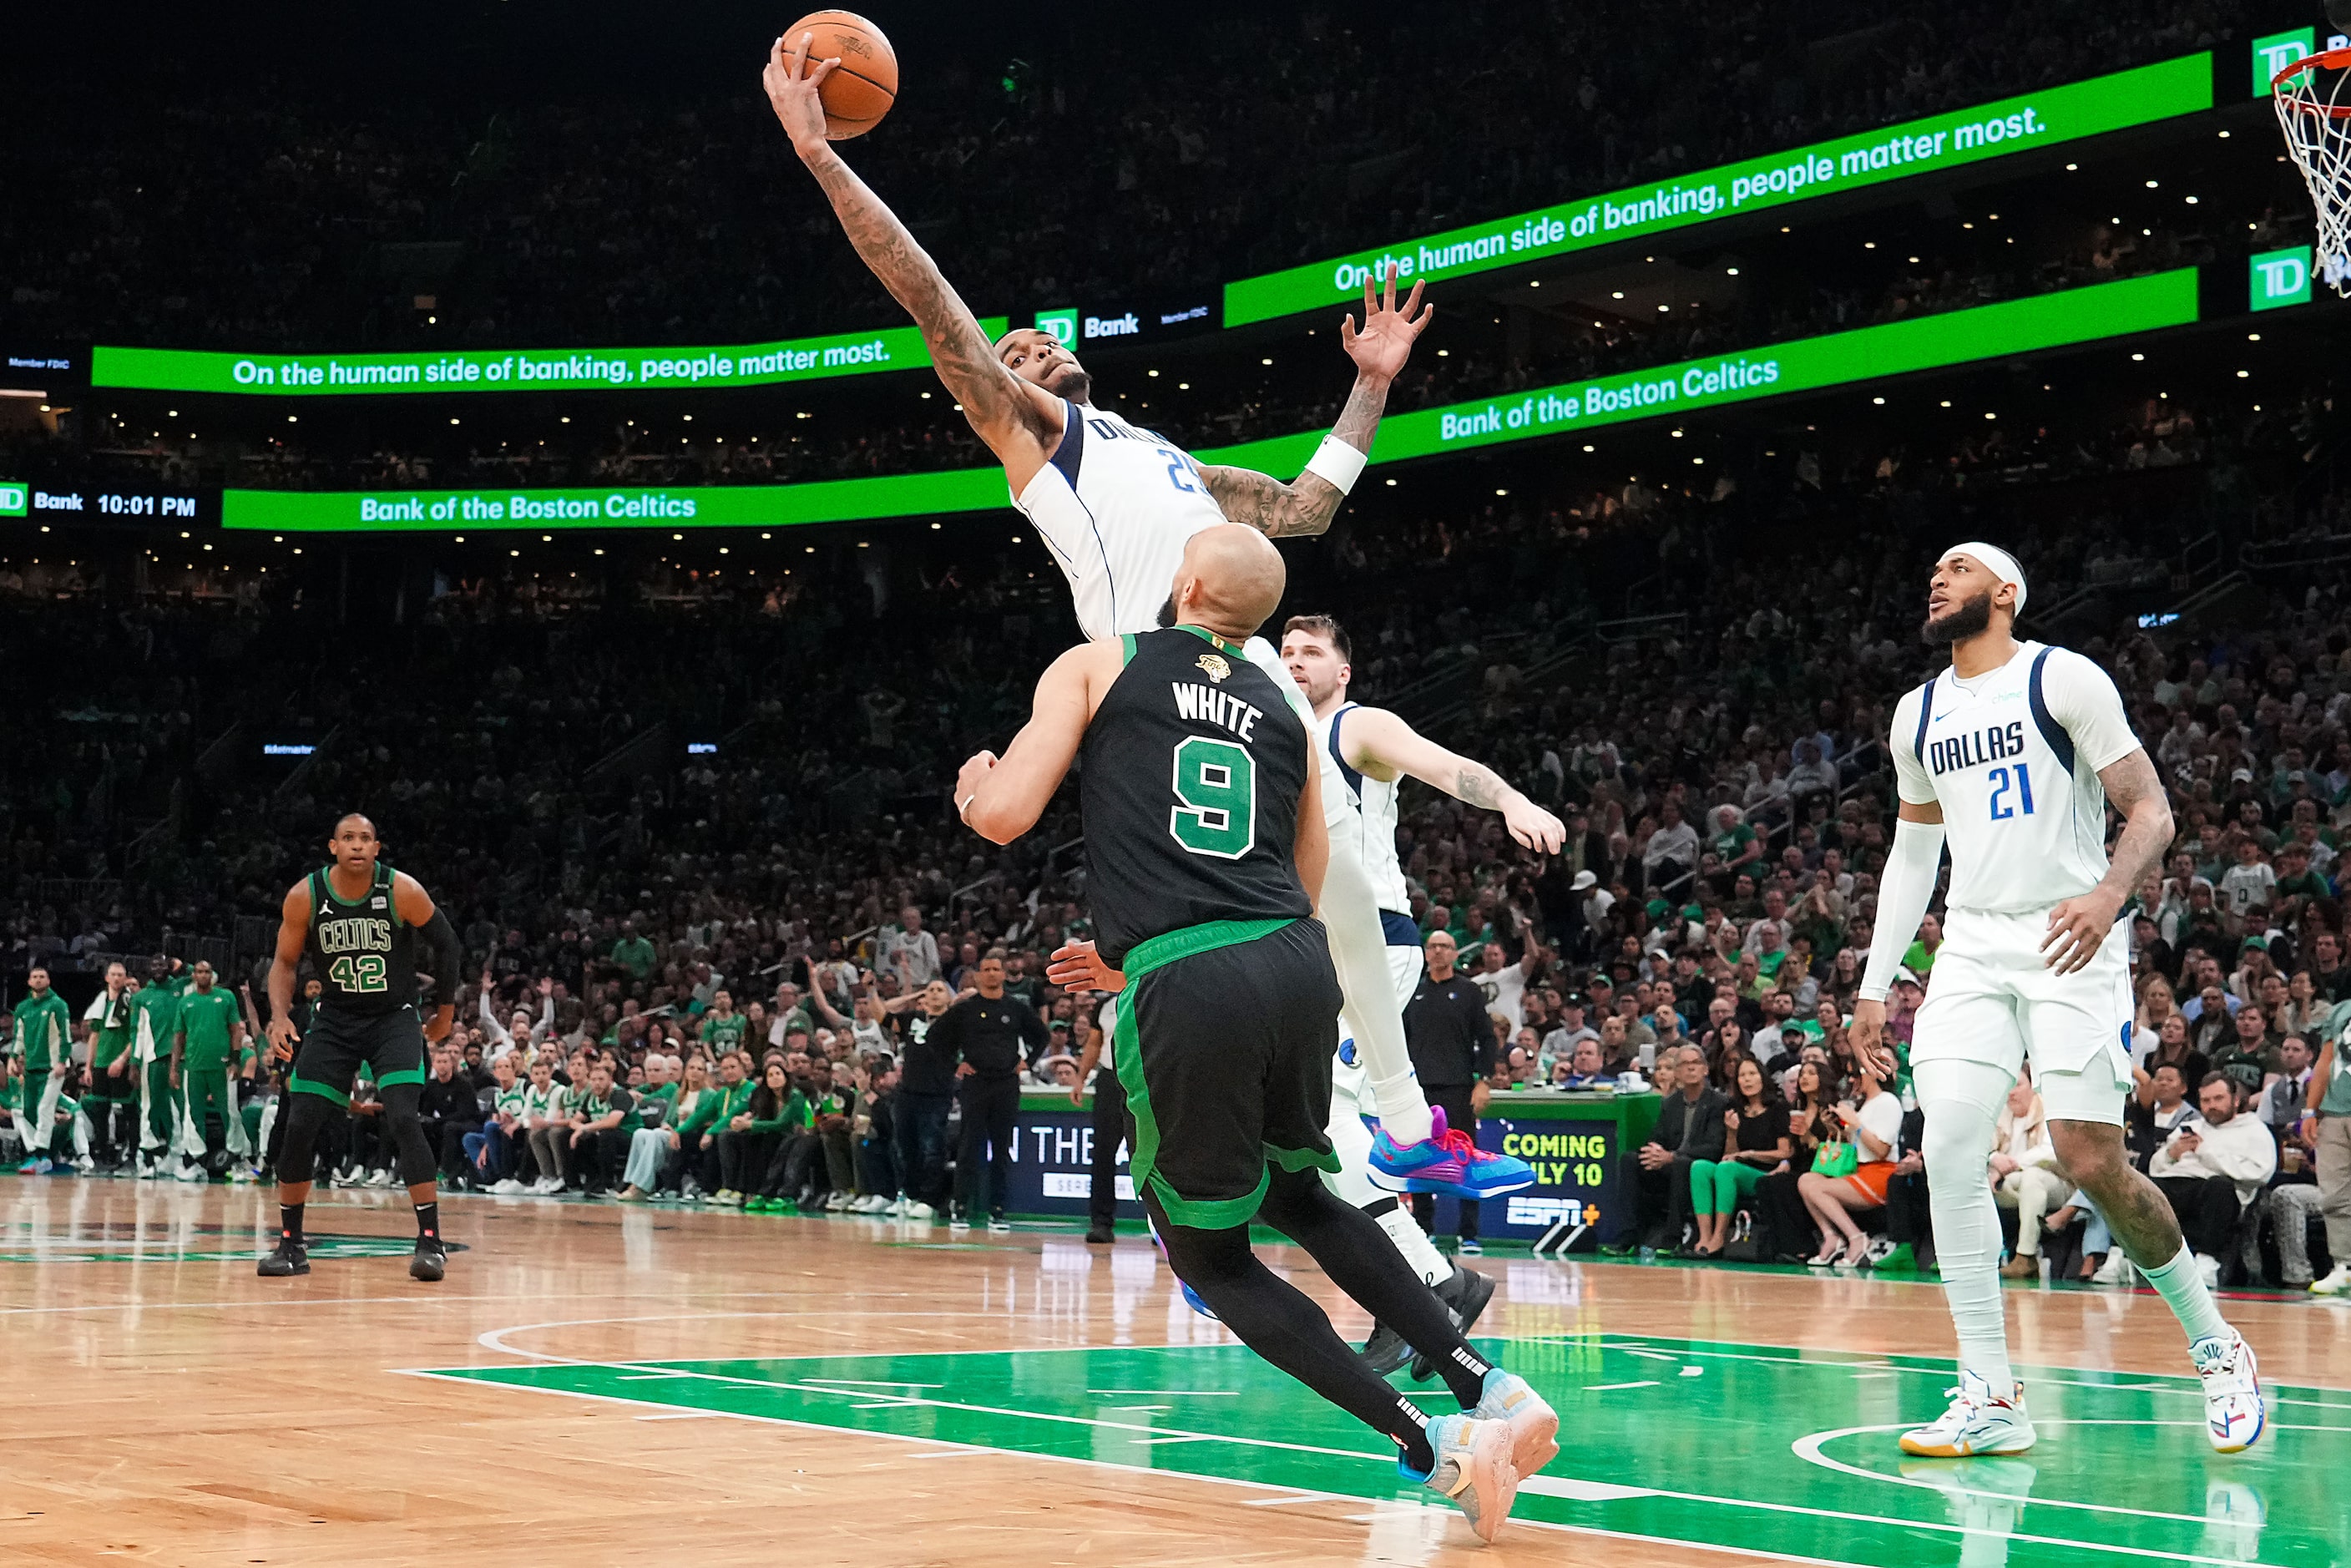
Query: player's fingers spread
1412, 300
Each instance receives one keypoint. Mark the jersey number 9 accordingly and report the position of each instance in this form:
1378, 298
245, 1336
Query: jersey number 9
1216, 794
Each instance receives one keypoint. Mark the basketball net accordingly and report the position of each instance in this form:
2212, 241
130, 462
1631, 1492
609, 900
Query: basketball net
2314, 109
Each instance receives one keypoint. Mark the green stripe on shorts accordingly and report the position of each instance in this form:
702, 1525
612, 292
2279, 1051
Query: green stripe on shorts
405, 1075
301, 1085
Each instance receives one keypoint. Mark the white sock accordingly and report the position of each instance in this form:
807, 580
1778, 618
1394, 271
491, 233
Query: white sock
2181, 1286
1359, 952
1958, 1142
1415, 1246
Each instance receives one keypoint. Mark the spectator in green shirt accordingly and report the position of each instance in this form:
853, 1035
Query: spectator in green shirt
1919, 956
633, 953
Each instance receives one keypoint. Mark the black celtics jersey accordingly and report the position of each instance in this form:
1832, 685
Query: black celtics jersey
1189, 783
363, 953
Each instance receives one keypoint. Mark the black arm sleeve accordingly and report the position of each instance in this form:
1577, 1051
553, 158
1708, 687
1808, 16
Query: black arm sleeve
448, 955
1033, 1031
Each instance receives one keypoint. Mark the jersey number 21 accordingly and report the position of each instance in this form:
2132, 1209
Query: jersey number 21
2001, 807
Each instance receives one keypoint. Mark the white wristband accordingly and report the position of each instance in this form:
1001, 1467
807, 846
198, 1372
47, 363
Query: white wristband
1339, 462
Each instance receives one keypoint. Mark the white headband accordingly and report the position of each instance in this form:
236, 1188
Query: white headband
2002, 564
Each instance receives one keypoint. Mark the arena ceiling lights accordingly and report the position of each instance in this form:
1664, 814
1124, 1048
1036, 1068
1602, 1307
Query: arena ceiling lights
1808, 364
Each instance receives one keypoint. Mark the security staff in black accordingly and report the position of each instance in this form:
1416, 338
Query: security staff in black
1204, 847
994, 1033
356, 922
1452, 1044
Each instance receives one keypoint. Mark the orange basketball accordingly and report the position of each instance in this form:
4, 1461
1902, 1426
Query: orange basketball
861, 88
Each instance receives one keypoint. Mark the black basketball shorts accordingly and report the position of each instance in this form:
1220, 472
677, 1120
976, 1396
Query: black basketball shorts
1224, 1044
342, 1047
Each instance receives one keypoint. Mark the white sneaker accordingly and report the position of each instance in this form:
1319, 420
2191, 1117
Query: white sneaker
2335, 1284
546, 1187
2208, 1269
508, 1187
2234, 1412
1976, 1423
836, 1201
188, 1172
85, 1165
1533, 1423
243, 1175
999, 1226
958, 1225
1473, 1470
379, 1178
2116, 1270
915, 1211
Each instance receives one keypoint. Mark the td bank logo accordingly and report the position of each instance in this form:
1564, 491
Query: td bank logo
1062, 324
12, 498
2278, 277
2279, 50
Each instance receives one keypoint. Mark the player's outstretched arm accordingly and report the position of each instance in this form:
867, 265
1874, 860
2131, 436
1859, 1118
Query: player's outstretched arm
1376, 741
293, 935
1003, 410
1001, 800
1307, 505
1310, 852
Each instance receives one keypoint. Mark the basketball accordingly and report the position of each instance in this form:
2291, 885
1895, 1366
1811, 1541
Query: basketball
864, 85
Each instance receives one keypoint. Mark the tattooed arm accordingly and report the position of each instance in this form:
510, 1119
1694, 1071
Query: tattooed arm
1307, 504
1020, 422
1377, 742
2079, 924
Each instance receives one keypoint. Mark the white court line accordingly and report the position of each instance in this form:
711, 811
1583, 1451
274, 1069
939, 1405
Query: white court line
2182, 1387
1185, 1392
1291, 1493
1606, 1387
685, 1415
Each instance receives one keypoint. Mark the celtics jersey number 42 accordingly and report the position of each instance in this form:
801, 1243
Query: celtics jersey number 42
362, 952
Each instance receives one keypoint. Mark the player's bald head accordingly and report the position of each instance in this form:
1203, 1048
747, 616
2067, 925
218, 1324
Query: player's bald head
1231, 581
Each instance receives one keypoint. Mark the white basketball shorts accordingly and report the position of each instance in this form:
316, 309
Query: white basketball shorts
1993, 999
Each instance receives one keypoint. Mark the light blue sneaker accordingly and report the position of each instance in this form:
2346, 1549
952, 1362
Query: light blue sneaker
1534, 1425
1472, 1472
1450, 1162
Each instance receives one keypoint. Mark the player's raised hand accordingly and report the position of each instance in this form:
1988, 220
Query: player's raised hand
2077, 927
1866, 1035
792, 86
1534, 827
1385, 341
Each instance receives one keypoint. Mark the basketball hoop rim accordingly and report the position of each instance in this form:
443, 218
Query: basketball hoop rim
2325, 60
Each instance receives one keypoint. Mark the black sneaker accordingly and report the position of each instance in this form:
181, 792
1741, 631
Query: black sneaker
1464, 1296
288, 1257
1100, 1235
1386, 1352
431, 1260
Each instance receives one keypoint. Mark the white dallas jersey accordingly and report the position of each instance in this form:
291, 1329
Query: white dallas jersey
1115, 506
2012, 756
1373, 802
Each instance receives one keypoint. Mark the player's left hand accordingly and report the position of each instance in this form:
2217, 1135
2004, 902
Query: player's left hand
1077, 966
2077, 927
972, 774
1534, 827
1385, 339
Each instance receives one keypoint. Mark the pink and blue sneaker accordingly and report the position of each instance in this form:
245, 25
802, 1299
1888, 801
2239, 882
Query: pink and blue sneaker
1450, 1161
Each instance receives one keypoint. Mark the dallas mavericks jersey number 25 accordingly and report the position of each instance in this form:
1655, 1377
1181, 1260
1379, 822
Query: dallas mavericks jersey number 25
2012, 757
1115, 506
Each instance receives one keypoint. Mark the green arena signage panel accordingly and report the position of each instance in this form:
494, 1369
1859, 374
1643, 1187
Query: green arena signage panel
1808, 364
517, 369
691, 506
12, 498
1949, 141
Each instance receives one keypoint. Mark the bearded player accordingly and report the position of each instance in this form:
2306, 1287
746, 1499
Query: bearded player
1116, 505
357, 920
2014, 755
1372, 750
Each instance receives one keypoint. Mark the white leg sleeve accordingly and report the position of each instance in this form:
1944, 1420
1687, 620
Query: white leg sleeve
1359, 952
1960, 1101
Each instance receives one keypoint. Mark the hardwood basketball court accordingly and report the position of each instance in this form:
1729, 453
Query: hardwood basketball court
593, 1384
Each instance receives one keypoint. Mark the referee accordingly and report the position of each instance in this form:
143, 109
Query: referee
993, 1033
1452, 1048
1110, 1122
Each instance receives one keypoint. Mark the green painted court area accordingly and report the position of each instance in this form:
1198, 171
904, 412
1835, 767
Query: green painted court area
1751, 1446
